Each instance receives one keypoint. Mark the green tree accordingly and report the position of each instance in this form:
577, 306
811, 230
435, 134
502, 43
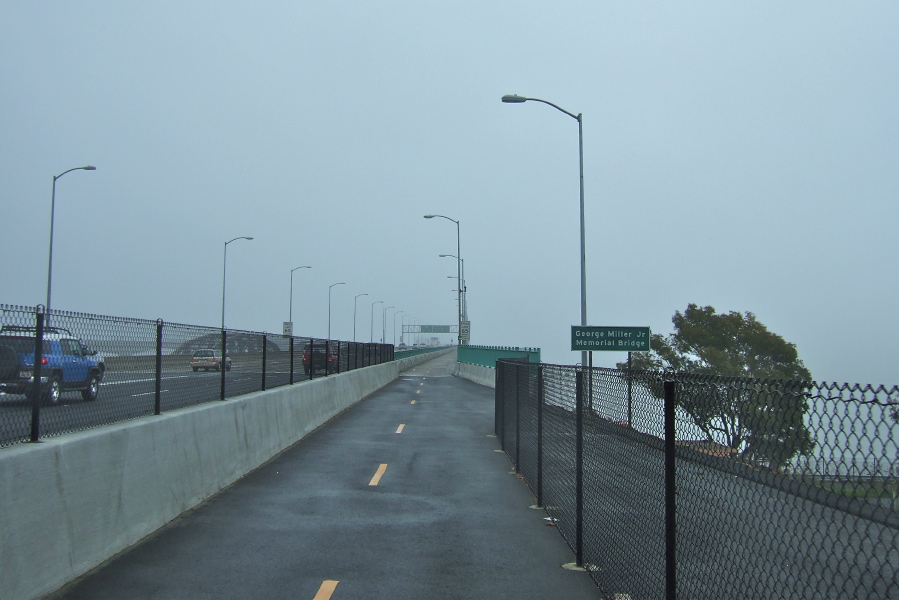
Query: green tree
741, 384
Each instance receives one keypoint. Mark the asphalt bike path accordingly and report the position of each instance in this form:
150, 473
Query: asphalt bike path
404, 495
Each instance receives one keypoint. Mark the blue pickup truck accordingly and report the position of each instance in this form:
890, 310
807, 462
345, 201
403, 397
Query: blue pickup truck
66, 365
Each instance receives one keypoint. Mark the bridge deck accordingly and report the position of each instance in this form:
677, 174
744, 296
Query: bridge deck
443, 519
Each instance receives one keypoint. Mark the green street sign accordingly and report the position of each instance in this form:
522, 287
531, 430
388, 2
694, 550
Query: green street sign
435, 329
627, 339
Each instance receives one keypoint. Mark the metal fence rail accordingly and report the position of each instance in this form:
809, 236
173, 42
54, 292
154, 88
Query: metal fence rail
783, 489
143, 368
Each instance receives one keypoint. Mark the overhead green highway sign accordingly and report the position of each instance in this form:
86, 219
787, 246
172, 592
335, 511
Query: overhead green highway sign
435, 329
628, 339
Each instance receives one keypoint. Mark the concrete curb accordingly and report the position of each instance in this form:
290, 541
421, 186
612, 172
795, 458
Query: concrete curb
477, 373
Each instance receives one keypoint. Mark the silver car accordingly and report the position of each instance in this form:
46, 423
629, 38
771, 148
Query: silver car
208, 358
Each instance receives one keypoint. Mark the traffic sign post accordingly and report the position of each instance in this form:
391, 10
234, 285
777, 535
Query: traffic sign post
626, 339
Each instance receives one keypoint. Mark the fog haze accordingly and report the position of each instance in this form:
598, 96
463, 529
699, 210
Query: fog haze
739, 155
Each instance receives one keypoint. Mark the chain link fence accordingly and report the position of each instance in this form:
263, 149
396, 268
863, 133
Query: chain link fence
675, 485
94, 370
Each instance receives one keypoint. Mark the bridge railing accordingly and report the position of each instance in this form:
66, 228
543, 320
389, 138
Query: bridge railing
486, 356
710, 487
144, 367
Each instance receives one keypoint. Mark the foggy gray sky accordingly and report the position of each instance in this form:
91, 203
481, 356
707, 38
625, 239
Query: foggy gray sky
737, 154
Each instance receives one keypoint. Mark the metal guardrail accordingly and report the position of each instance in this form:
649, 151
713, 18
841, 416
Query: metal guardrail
668, 484
145, 368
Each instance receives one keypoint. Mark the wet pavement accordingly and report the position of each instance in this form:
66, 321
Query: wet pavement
404, 495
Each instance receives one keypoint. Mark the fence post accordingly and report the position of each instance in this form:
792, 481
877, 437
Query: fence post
224, 349
36, 395
630, 393
502, 406
264, 359
497, 394
291, 360
670, 491
540, 393
157, 403
311, 358
579, 477
338, 357
517, 417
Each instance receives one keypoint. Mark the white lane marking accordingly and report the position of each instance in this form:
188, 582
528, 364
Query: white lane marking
128, 381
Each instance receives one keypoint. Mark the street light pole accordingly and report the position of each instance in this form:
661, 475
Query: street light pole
458, 267
290, 318
354, 314
384, 324
224, 275
399, 312
329, 308
52, 214
464, 291
515, 99
371, 323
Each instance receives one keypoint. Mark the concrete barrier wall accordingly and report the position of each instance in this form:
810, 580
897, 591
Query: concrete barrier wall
477, 373
74, 501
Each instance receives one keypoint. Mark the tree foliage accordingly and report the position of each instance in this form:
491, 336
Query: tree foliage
741, 384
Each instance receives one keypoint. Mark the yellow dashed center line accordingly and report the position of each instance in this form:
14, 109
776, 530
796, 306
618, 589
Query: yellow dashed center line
400, 428
325, 591
378, 474
413, 402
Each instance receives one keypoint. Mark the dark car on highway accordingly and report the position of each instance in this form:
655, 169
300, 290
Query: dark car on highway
317, 358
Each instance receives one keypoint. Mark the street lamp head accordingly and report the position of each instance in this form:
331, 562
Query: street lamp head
514, 99
89, 168
237, 238
430, 216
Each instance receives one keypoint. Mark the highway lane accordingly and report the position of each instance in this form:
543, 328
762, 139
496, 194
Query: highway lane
128, 394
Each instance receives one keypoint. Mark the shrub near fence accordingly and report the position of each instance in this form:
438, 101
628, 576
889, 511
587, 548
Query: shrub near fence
604, 454
147, 368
